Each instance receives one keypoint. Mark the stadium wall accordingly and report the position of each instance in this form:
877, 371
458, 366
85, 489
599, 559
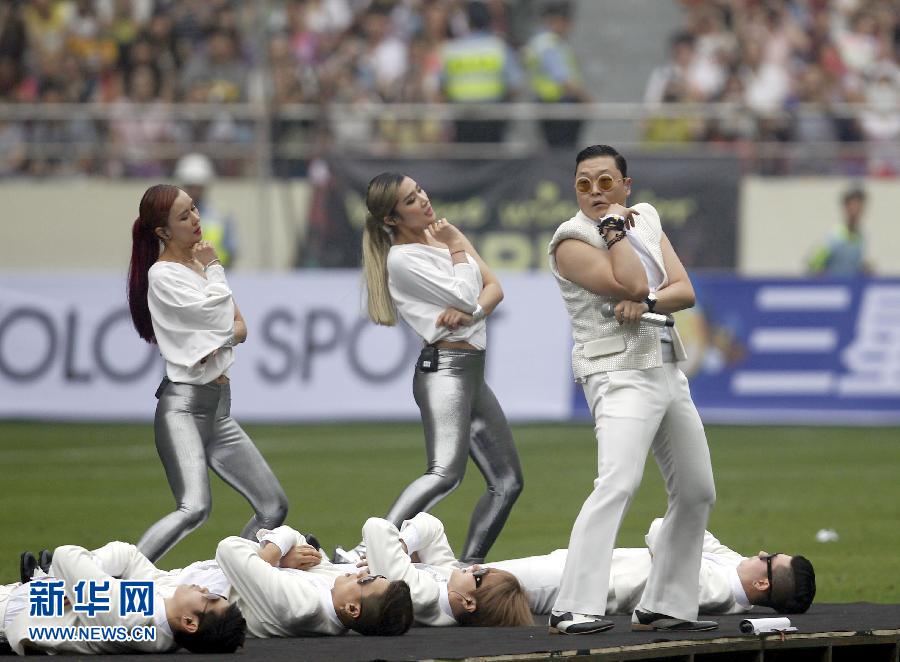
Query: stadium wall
84, 224
784, 219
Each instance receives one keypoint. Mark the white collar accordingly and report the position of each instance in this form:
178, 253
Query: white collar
328, 605
444, 599
737, 589
159, 616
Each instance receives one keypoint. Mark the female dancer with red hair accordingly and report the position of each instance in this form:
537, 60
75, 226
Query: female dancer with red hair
180, 300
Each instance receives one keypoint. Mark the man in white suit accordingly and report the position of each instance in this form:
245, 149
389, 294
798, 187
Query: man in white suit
729, 582
185, 615
442, 594
281, 596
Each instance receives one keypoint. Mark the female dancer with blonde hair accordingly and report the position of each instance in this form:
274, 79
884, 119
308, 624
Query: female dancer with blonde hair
426, 270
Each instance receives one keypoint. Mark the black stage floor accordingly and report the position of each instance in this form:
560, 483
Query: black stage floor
535, 642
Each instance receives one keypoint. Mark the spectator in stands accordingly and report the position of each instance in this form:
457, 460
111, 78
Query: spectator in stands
479, 68
13, 149
13, 38
554, 72
859, 45
383, 62
815, 88
844, 252
880, 122
141, 123
63, 145
46, 22
218, 75
670, 83
767, 87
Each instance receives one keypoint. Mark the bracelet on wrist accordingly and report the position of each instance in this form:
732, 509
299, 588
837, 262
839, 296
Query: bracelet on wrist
210, 263
612, 242
461, 250
611, 222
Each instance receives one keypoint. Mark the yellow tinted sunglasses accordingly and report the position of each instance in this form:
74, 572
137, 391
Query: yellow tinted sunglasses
605, 182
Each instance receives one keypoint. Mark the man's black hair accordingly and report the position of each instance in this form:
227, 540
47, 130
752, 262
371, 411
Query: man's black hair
855, 193
594, 151
479, 16
557, 8
388, 614
798, 600
218, 633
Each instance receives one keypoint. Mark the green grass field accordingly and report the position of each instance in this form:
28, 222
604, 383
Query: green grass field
777, 486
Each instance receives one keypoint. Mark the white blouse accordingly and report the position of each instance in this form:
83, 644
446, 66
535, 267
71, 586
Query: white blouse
655, 276
423, 282
192, 316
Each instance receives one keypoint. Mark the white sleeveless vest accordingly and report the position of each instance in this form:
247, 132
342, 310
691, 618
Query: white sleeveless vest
601, 344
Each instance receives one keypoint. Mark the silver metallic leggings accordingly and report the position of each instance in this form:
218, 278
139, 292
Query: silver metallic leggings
462, 417
194, 429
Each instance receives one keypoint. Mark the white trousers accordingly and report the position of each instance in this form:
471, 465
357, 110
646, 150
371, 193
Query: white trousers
636, 411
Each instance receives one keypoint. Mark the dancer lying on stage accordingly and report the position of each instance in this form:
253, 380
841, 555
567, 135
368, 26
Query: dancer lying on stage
183, 613
281, 585
286, 590
729, 583
442, 593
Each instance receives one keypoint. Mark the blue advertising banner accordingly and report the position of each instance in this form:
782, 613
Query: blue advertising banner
776, 351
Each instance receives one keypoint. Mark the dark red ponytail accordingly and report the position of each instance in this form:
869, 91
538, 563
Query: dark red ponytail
153, 213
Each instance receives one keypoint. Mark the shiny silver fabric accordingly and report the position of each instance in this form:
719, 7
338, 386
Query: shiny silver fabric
194, 430
462, 417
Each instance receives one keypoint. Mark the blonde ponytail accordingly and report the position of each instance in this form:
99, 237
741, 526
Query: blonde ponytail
375, 246
381, 198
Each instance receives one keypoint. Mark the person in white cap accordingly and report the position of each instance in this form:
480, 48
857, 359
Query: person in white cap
194, 173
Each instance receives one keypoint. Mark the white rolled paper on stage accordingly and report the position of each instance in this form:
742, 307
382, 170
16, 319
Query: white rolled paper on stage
765, 625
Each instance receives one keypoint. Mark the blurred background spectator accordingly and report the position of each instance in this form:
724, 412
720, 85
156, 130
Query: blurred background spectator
479, 67
843, 254
554, 72
195, 173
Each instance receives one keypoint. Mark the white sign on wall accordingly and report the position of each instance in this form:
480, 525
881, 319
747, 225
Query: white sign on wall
68, 351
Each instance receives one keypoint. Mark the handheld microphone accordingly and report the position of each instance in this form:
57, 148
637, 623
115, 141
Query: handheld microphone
653, 319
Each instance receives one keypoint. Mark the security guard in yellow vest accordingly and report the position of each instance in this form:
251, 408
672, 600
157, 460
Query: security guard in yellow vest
553, 72
479, 68
194, 173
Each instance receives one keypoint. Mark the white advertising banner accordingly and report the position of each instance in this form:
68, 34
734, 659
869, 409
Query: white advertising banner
68, 351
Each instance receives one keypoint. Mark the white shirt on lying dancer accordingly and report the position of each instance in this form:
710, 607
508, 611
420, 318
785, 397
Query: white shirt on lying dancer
427, 580
423, 282
192, 317
720, 586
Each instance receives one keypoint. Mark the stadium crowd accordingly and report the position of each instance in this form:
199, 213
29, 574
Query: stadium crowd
788, 64
139, 56
770, 58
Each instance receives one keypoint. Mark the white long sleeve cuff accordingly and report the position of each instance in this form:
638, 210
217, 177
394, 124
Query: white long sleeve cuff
283, 539
410, 535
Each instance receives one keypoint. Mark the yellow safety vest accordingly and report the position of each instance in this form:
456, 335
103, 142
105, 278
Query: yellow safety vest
215, 227
545, 88
474, 70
